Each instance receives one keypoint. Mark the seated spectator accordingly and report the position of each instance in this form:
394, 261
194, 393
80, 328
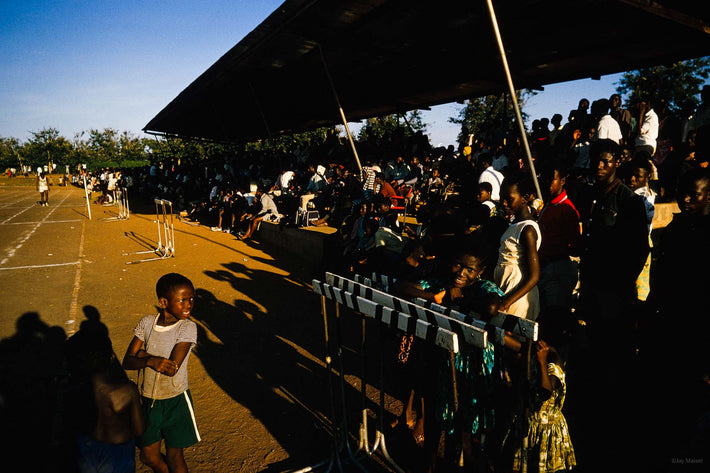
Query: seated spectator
267, 210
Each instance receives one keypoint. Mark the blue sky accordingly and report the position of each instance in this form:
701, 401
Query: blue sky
75, 65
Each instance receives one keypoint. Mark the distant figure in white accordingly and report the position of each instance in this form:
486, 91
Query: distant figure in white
43, 189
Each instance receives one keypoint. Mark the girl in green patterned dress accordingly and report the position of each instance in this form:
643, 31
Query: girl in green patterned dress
465, 430
548, 436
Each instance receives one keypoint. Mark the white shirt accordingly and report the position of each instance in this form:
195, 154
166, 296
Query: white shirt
648, 130
495, 178
285, 180
608, 129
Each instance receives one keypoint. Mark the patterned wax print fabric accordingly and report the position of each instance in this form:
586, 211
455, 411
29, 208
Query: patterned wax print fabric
474, 376
548, 434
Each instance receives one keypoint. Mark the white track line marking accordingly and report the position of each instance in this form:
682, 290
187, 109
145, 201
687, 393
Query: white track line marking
70, 326
44, 223
14, 202
41, 266
11, 252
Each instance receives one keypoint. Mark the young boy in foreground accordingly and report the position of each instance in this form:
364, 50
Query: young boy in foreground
161, 347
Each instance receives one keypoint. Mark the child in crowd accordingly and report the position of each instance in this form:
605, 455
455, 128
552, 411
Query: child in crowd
518, 268
163, 344
465, 430
107, 441
483, 195
560, 231
640, 171
549, 443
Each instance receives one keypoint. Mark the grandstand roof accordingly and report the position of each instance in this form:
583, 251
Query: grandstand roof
388, 56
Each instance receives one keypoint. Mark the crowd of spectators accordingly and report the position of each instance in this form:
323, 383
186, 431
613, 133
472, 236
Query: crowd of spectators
570, 246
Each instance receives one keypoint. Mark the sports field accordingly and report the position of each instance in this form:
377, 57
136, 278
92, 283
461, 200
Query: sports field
256, 375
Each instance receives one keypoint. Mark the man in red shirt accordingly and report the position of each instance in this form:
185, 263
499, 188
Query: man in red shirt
386, 189
559, 226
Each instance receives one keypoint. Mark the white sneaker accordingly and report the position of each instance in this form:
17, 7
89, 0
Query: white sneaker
215, 229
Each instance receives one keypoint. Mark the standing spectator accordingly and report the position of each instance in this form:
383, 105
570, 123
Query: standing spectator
483, 196
559, 228
622, 117
550, 448
583, 118
640, 172
615, 249
683, 326
647, 132
606, 126
110, 405
489, 174
500, 160
518, 268
556, 128
581, 144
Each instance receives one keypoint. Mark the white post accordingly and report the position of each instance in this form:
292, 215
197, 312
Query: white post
86, 193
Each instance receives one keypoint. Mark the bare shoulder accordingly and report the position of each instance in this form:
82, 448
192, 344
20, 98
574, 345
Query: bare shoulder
123, 395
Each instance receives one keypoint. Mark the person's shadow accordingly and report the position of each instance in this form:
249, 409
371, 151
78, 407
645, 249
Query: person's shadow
31, 368
237, 347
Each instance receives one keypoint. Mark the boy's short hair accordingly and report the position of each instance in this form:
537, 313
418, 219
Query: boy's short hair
641, 163
485, 158
523, 182
485, 186
167, 284
381, 200
689, 178
559, 166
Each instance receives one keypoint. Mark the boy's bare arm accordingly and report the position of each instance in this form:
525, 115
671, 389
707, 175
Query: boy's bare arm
136, 359
180, 351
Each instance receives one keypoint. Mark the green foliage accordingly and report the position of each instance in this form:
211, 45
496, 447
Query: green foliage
677, 85
380, 130
288, 144
10, 153
46, 147
481, 114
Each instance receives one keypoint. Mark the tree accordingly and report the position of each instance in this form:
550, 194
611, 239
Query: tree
47, 147
381, 129
677, 85
104, 145
10, 153
490, 117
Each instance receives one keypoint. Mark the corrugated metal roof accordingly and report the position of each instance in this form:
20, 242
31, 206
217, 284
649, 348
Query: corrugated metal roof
389, 56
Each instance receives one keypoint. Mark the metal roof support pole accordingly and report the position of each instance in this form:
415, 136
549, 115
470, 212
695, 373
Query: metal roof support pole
340, 108
516, 107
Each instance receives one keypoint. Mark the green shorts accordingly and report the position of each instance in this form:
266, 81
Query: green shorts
170, 419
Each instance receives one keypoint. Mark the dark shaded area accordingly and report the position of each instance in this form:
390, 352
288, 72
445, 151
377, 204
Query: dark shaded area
31, 364
46, 395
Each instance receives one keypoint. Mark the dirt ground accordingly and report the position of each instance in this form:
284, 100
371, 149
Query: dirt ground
257, 375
